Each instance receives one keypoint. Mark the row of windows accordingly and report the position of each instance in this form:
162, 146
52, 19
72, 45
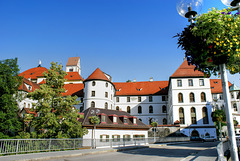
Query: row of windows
150, 109
150, 99
106, 84
193, 115
93, 94
116, 137
25, 105
190, 82
105, 105
164, 121
191, 97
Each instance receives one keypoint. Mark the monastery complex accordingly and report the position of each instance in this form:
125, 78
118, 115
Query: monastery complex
186, 100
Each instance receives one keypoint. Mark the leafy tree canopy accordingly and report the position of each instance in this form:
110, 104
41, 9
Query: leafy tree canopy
154, 124
9, 121
213, 40
57, 117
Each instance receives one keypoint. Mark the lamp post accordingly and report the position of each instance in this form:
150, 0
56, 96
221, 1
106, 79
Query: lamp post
154, 124
94, 112
229, 118
185, 9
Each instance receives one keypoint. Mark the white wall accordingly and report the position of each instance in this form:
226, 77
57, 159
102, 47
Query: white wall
115, 132
99, 98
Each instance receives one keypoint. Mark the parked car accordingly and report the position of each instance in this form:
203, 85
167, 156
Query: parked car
196, 138
209, 138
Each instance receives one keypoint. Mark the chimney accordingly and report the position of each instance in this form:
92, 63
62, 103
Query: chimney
134, 80
151, 79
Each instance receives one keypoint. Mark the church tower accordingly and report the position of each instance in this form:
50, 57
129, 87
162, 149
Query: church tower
73, 65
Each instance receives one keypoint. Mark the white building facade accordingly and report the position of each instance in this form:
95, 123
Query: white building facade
187, 99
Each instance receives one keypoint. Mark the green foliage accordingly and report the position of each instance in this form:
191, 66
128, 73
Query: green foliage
213, 40
235, 122
10, 123
94, 120
57, 115
218, 115
23, 135
154, 124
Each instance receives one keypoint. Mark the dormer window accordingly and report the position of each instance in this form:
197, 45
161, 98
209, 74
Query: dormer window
114, 118
124, 119
102, 118
133, 119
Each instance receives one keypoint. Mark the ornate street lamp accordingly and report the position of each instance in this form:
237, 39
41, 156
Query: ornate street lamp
185, 7
94, 113
189, 8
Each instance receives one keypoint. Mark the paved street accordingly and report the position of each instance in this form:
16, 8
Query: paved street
181, 152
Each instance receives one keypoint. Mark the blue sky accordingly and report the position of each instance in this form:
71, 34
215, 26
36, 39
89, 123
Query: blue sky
125, 38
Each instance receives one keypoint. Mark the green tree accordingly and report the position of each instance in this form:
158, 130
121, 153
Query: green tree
219, 117
10, 122
57, 117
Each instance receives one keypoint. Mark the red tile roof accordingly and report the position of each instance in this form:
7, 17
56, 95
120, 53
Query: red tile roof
97, 75
73, 76
73, 89
216, 85
23, 86
42, 82
186, 70
72, 61
33, 73
142, 88
28, 111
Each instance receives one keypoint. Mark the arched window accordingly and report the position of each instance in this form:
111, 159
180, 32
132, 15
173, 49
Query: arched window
106, 105
164, 121
181, 115
106, 84
205, 115
150, 109
191, 97
164, 109
92, 104
235, 107
203, 97
25, 105
139, 109
117, 108
128, 109
29, 105
93, 83
193, 116
180, 97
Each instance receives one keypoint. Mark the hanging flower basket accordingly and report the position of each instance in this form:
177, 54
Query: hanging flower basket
213, 40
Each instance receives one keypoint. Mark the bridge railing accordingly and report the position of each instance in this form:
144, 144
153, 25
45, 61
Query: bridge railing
14, 146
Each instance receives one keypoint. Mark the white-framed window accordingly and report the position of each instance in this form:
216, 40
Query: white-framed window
114, 119
93, 93
190, 82
150, 98
179, 83
201, 82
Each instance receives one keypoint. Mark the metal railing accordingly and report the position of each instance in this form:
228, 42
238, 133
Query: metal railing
14, 146
8, 146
